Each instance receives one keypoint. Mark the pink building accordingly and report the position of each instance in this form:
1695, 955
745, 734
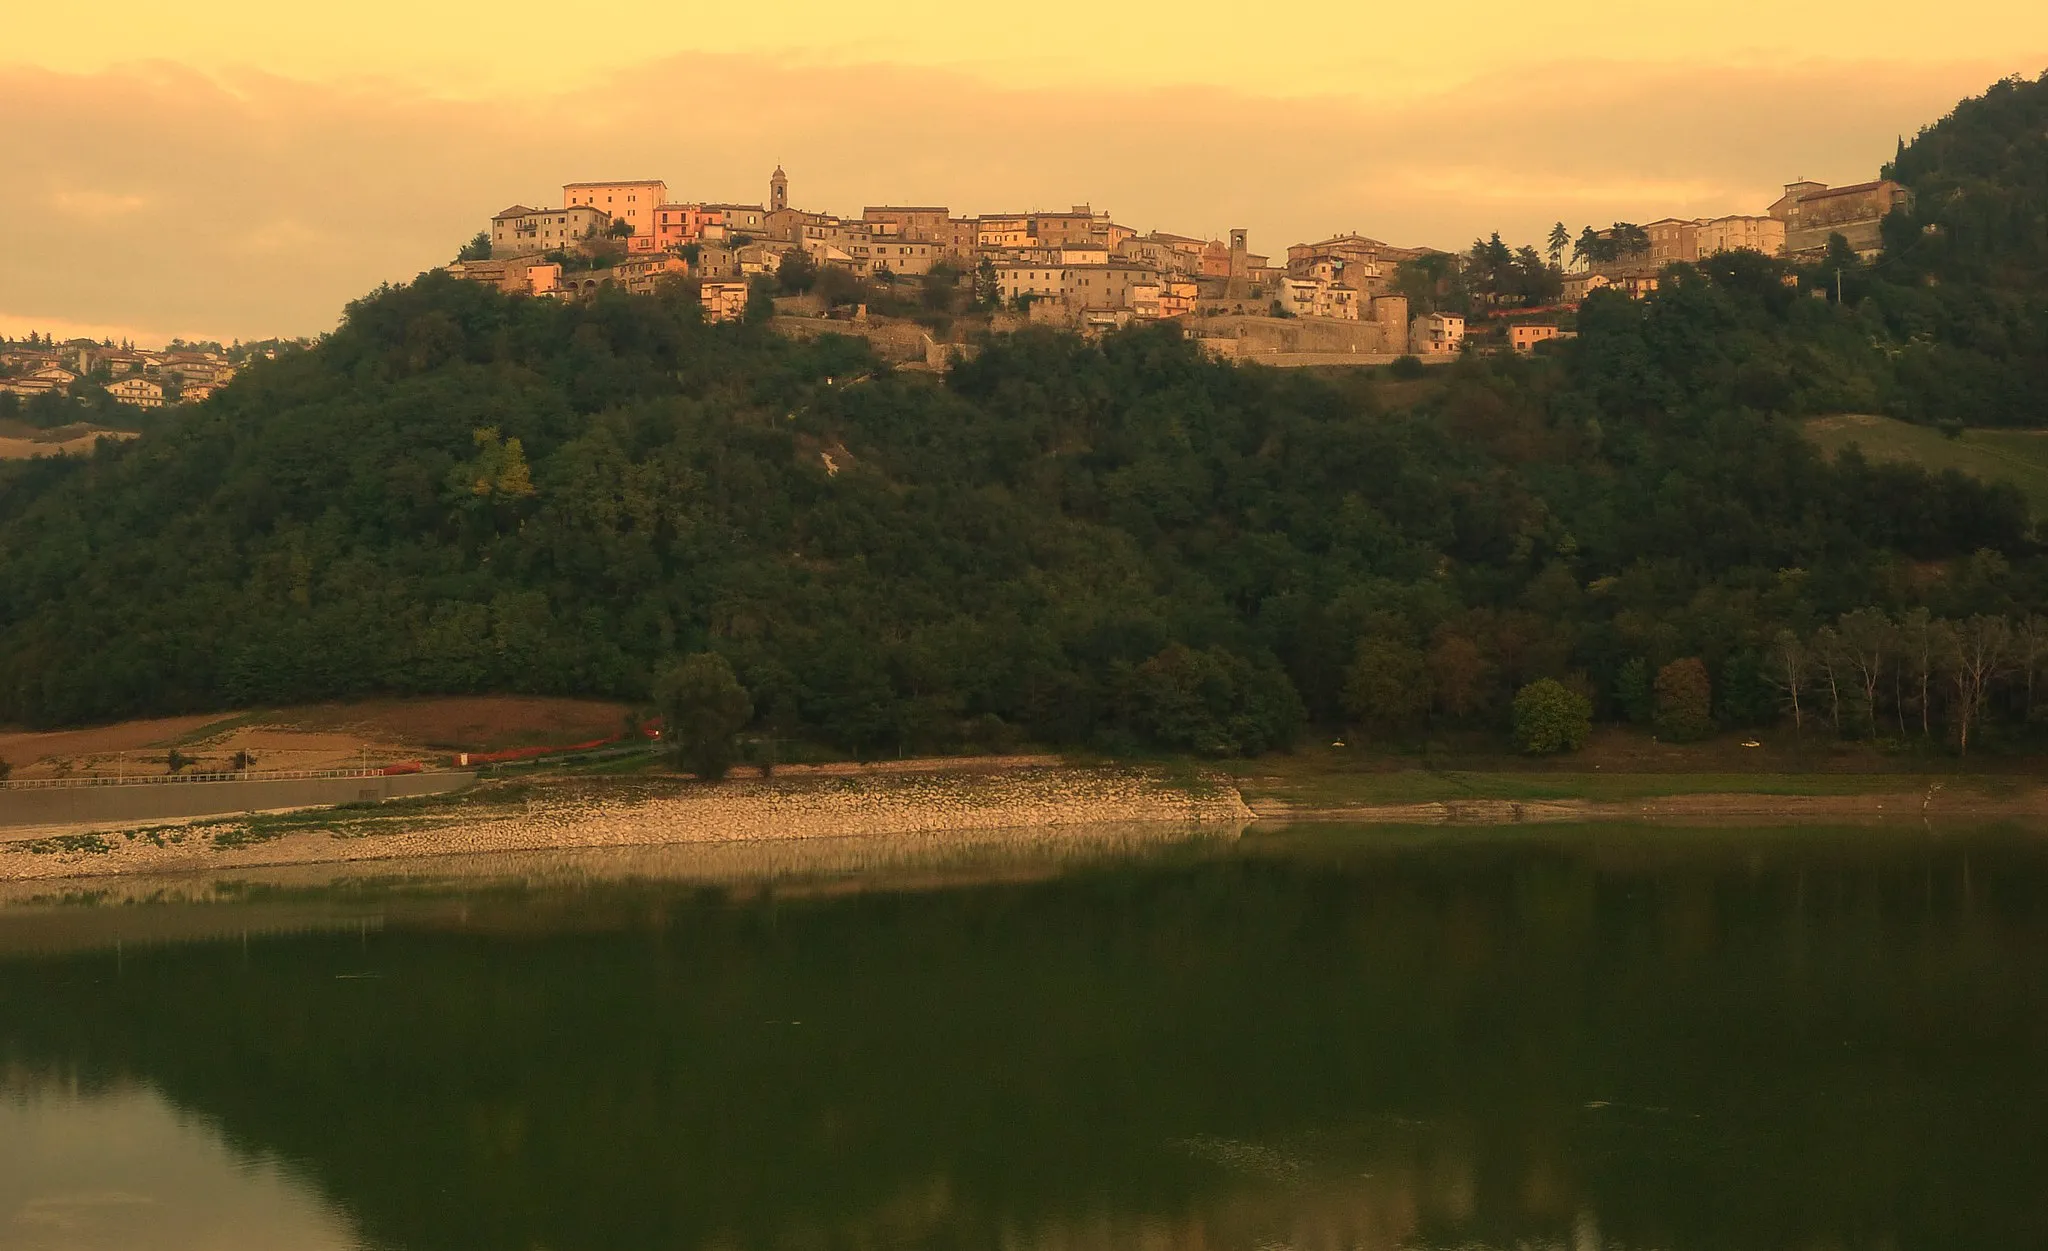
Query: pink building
633, 203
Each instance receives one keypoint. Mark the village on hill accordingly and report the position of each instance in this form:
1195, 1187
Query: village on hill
899, 273
918, 282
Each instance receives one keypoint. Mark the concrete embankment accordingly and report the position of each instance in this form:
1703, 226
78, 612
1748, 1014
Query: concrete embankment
26, 808
584, 814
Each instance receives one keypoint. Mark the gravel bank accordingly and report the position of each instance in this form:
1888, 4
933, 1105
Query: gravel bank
583, 815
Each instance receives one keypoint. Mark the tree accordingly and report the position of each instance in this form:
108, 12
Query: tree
1867, 639
1630, 241
1386, 687
1212, 702
1975, 654
1589, 248
760, 299
1551, 718
6, 770
1920, 650
1560, 240
1633, 690
939, 291
620, 229
477, 249
1459, 674
1685, 701
1787, 669
796, 273
703, 706
988, 286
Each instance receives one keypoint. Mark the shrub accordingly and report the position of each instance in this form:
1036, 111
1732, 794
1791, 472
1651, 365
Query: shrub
1685, 701
703, 706
1407, 367
1550, 718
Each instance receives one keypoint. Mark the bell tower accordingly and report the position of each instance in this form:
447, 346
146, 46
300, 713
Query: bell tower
778, 190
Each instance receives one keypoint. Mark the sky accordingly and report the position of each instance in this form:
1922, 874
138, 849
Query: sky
234, 170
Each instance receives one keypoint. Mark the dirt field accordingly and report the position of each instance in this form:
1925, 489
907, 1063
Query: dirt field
321, 736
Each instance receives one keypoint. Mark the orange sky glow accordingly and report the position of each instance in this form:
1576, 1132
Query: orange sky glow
237, 171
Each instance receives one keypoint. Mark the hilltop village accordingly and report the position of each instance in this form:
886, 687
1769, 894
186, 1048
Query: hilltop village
919, 281
900, 272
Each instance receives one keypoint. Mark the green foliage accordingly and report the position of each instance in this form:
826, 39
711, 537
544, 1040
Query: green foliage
1212, 702
703, 708
1386, 687
760, 299
1633, 692
1684, 701
477, 249
988, 287
1550, 718
1407, 368
1112, 543
796, 273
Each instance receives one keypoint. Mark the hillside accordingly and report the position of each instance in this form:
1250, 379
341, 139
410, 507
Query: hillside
1118, 544
2018, 457
1961, 295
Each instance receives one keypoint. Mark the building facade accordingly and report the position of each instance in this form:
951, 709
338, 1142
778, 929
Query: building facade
523, 231
634, 203
1813, 211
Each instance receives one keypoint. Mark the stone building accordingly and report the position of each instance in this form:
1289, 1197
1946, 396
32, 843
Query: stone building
1812, 211
1734, 234
523, 231
922, 224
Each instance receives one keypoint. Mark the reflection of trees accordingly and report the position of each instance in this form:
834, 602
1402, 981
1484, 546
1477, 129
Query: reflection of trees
1316, 1040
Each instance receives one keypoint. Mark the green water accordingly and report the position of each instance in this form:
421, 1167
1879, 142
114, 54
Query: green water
1326, 1039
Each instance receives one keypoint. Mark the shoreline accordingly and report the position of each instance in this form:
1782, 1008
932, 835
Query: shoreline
561, 814
966, 802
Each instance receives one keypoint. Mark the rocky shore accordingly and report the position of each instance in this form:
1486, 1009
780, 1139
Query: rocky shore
571, 814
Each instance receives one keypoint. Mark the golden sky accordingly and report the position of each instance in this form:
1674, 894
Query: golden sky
241, 170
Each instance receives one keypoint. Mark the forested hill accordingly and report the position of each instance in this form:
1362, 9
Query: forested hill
1117, 543
1960, 298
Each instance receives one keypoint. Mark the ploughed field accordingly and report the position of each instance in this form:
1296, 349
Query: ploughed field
319, 736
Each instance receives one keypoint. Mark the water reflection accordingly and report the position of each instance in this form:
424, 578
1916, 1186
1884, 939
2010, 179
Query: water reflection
1327, 1040
120, 1169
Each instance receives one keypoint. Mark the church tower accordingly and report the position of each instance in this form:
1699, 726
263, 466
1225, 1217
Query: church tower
778, 190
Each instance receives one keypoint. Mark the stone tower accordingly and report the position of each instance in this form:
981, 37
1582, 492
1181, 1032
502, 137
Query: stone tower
778, 190
1240, 253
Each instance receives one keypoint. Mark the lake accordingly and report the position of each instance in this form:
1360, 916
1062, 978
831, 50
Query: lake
1319, 1038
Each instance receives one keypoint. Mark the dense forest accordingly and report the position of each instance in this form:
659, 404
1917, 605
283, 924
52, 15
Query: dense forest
1116, 542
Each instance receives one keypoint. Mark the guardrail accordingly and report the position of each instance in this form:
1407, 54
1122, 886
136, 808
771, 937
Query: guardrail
171, 779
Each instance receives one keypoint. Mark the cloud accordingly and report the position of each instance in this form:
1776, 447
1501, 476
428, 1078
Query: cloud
96, 206
248, 205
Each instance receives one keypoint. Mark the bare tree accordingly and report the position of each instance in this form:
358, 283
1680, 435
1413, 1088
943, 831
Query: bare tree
1867, 639
1974, 654
1918, 648
1789, 666
2030, 647
1829, 659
